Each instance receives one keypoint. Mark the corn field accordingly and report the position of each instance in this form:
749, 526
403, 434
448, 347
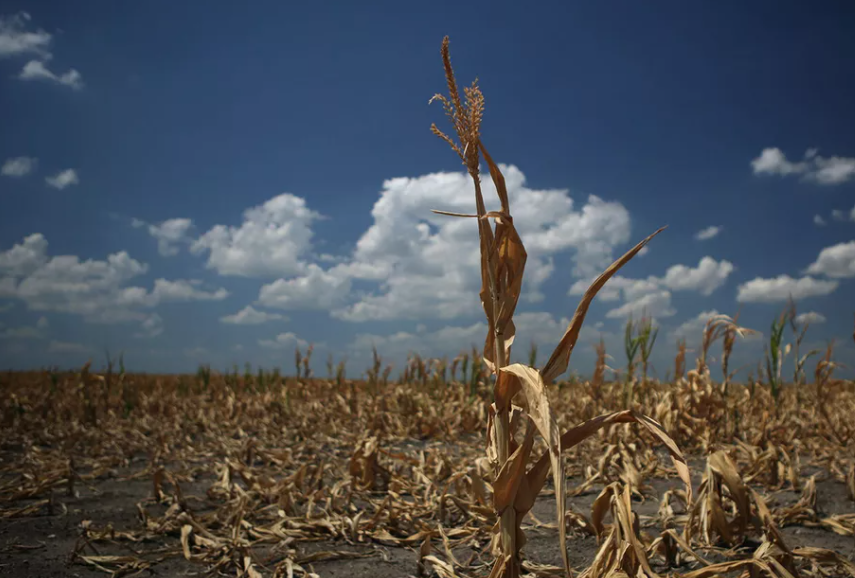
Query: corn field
470, 467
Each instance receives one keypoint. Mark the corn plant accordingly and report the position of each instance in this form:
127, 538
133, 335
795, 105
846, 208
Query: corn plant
823, 373
775, 353
600, 367
631, 344
340, 373
503, 258
680, 359
203, 376
307, 359
799, 332
374, 372
646, 338
532, 355
716, 327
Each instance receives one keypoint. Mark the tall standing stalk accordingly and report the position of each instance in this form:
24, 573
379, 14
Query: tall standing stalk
502, 263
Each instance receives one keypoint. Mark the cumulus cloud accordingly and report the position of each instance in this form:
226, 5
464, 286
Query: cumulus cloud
317, 289
405, 253
811, 317
36, 70
272, 241
24, 258
288, 340
833, 170
18, 166
822, 170
819, 221
840, 215
93, 289
781, 288
63, 179
837, 261
169, 234
407, 249
691, 329
16, 39
151, 326
653, 294
773, 161
657, 304
708, 276
708, 233
251, 316
184, 290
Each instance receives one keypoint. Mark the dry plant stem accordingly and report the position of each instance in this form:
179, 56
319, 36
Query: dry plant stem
507, 524
508, 521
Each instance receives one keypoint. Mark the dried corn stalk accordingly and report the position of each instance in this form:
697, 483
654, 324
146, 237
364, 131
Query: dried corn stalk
502, 264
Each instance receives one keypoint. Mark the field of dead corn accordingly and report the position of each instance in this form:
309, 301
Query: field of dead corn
474, 467
259, 475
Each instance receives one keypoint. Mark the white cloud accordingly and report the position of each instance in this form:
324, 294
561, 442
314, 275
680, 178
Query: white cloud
773, 161
67, 347
822, 170
15, 39
168, 233
36, 70
92, 289
151, 326
837, 261
708, 233
407, 249
273, 240
691, 329
708, 276
317, 289
818, 221
811, 317
18, 166
63, 179
287, 340
653, 294
656, 304
428, 265
24, 258
834, 170
251, 316
781, 288
839, 215
183, 290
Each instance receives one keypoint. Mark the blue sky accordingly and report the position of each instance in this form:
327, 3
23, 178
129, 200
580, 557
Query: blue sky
220, 185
